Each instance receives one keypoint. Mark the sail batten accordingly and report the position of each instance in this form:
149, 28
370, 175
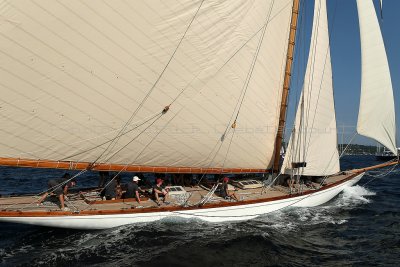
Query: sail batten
376, 116
312, 148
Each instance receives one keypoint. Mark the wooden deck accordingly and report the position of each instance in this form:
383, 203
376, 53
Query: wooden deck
90, 200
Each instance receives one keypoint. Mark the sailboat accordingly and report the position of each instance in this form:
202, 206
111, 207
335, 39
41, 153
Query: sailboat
188, 87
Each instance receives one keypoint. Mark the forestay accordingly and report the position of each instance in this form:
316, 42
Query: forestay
314, 138
376, 116
74, 72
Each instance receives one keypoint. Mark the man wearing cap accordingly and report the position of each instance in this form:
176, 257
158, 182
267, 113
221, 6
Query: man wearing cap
159, 190
132, 189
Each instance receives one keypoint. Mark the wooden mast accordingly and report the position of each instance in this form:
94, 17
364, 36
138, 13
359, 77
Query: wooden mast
286, 84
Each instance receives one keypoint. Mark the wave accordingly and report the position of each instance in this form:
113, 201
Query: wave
354, 196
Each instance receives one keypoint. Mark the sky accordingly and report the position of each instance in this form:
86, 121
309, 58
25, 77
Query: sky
346, 61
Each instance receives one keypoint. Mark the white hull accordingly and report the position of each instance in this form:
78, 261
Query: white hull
220, 214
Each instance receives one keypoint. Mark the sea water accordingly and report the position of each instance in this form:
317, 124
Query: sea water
360, 227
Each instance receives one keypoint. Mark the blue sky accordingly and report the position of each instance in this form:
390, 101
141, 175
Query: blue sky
346, 60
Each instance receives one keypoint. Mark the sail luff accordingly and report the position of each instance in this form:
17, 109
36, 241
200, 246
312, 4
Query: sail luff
75, 165
376, 116
313, 142
286, 84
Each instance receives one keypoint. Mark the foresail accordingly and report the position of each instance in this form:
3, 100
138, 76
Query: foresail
376, 116
314, 138
90, 81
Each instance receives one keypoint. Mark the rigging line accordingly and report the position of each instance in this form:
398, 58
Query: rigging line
326, 168
153, 86
229, 147
247, 81
266, 188
49, 190
303, 127
249, 75
134, 138
381, 175
298, 137
351, 140
244, 90
212, 160
134, 128
242, 94
253, 63
300, 43
138, 155
313, 51
212, 191
323, 73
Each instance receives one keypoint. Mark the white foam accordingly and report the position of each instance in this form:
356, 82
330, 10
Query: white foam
354, 196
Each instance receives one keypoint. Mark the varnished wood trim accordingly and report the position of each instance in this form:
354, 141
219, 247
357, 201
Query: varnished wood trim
376, 167
52, 164
165, 209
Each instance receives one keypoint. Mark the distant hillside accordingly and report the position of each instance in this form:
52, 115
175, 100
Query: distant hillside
355, 149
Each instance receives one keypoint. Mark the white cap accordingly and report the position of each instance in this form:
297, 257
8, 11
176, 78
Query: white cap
135, 178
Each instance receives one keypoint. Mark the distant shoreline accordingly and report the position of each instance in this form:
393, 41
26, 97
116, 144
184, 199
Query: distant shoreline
358, 150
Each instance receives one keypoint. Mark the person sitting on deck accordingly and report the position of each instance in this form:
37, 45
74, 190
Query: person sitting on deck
224, 192
132, 189
158, 191
111, 190
59, 187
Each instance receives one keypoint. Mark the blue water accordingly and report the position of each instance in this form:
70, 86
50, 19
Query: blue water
361, 227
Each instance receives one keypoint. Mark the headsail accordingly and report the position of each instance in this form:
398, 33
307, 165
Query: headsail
314, 139
73, 73
376, 117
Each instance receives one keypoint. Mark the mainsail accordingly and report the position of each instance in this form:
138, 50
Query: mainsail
314, 138
376, 117
87, 81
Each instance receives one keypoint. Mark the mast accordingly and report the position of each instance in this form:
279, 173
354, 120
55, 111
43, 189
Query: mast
286, 84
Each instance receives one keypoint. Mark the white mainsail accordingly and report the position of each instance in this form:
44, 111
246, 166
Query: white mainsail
314, 139
74, 72
376, 116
